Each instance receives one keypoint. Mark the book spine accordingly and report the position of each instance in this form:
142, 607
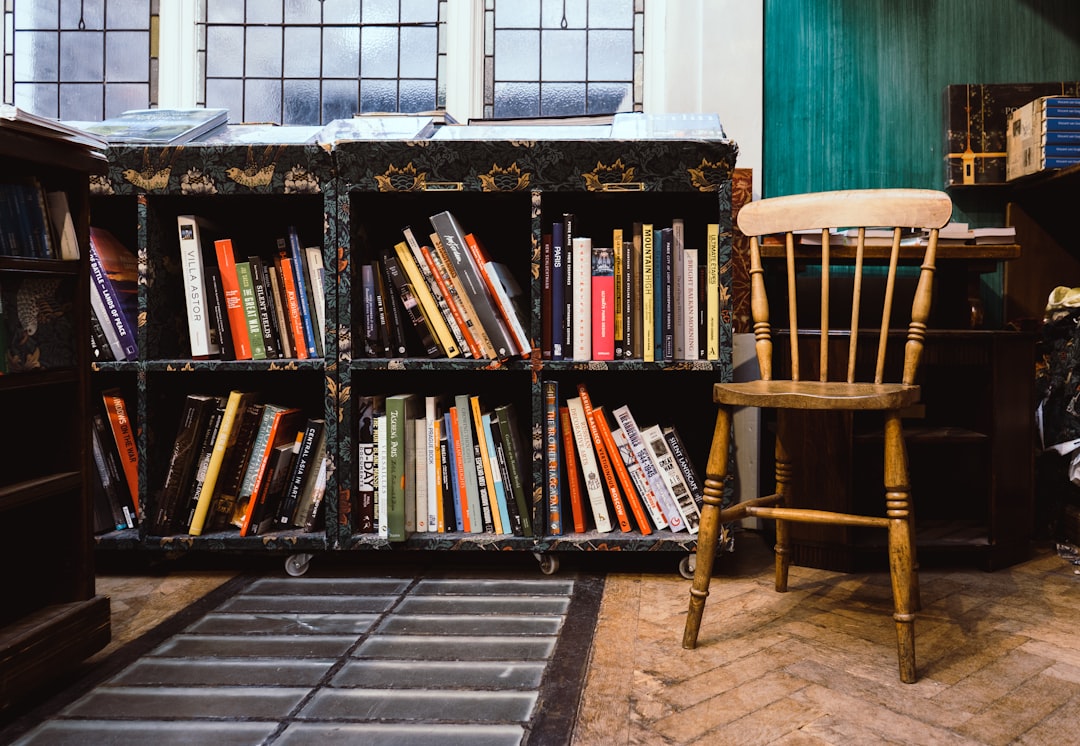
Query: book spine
250, 308
482, 437
100, 347
277, 302
620, 289
292, 304
202, 462
219, 314
453, 241
558, 292
569, 224
642, 454
317, 284
472, 489
508, 427
234, 307
233, 465
411, 305
665, 464
631, 497
712, 292
110, 473
604, 304
636, 288
297, 255
469, 346
442, 479
689, 299
264, 305
302, 468
213, 466
667, 289
431, 460
686, 466
282, 432
372, 343
482, 487
545, 297
260, 448
581, 250
436, 289
457, 291
193, 421
552, 443
590, 468
497, 485
573, 471
382, 524
605, 463
113, 313
318, 494
677, 282
648, 291
641, 482
195, 288
499, 458
396, 468
124, 437
418, 476
518, 335
455, 463
426, 303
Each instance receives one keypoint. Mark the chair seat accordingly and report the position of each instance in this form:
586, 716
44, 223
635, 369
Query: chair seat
816, 395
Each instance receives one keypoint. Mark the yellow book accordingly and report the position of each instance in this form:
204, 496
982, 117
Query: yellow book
462, 299
236, 402
648, 299
617, 248
428, 306
712, 292
481, 438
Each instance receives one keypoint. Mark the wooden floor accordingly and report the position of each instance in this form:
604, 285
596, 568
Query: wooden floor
998, 654
998, 659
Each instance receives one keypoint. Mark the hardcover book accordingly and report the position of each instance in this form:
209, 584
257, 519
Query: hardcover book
604, 304
157, 126
194, 419
310, 442
516, 455
196, 300
669, 469
463, 441
605, 462
234, 305
574, 485
235, 404
590, 465
558, 292
296, 253
553, 487
110, 474
643, 455
123, 434
368, 408
402, 410
114, 270
250, 306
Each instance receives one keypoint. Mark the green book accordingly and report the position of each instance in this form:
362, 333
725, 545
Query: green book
401, 412
250, 304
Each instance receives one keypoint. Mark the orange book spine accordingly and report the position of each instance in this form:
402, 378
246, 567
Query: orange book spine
234, 307
621, 471
125, 441
470, 340
459, 462
573, 474
292, 305
604, 462
481, 263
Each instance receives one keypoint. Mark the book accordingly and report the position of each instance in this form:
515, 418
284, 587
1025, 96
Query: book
678, 288
67, 240
296, 253
690, 474
234, 465
277, 303
402, 410
483, 487
573, 471
283, 263
444, 508
639, 447
468, 343
637, 475
545, 296
310, 440
264, 305
427, 274
37, 317
503, 290
157, 126
549, 513
382, 524
649, 322
368, 408
314, 513
426, 303
465, 438
457, 292
712, 291
420, 475
604, 304
123, 434
631, 497
665, 464
313, 488
558, 292
413, 314
317, 284
516, 455
372, 343
618, 270
250, 307
690, 300
278, 425
581, 253
268, 497
636, 301
194, 419
200, 320
236, 402
433, 411
453, 241
205, 451
605, 462
234, 305
110, 474
666, 288
391, 313
114, 271
590, 466
220, 330
569, 224
455, 464
490, 462
498, 455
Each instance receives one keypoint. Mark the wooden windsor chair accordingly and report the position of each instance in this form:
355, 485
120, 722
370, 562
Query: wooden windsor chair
853, 209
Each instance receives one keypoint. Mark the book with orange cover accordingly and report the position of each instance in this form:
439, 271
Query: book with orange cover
573, 473
507, 314
603, 460
627, 482
459, 470
234, 306
284, 266
282, 429
124, 436
442, 281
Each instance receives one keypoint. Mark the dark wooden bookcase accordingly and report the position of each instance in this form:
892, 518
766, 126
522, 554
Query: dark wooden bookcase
51, 618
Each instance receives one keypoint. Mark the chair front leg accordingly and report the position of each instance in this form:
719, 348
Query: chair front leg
709, 528
901, 544
784, 482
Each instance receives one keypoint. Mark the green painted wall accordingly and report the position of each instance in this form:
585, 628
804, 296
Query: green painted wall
853, 88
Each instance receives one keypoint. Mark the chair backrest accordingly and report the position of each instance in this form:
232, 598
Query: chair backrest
853, 211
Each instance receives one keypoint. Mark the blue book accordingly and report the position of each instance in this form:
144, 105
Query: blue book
558, 291
1068, 151
1072, 110
299, 263
496, 486
1061, 138
448, 430
1060, 162
552, 506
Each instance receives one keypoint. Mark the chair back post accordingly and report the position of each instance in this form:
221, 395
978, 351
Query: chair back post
856, 305
759, 312
886, 310
823, 361
920, 310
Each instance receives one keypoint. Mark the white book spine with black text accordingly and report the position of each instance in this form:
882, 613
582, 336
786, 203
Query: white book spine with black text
195, 296
665, 463
582, 297
590, 469
637, 475
640, 448
381, 450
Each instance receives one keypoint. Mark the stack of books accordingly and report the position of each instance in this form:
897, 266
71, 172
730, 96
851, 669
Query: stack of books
1043, 134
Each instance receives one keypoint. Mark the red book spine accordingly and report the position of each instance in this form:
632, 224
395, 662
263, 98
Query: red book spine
603, 460
621, 471
234, 307
603, 317
459, 461
573, 474
292, 306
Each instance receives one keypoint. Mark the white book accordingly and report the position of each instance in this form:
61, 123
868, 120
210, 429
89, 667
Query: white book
590, 469
317, 279
665, 462
500, 276
431, 453
63, 224
582, 297
678, 282
196, 298
637, 476
420, 472
690, 301
383, 517
97, 305
640, 448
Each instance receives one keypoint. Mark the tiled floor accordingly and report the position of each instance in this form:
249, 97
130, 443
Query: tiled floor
998, 659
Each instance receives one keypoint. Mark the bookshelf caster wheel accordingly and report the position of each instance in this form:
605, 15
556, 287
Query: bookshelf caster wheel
297, 564
549, 563
687, 565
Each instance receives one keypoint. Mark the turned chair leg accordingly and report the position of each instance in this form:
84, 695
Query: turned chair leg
709, 528
784, 475
901, 545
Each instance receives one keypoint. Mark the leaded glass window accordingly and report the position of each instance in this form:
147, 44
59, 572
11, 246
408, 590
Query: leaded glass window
311, 61
562, 57
80, 59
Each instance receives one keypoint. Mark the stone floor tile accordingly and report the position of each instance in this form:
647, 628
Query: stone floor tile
334, 734
420, 705
436, 675
140, 733
223, 672
256, 646
169, 703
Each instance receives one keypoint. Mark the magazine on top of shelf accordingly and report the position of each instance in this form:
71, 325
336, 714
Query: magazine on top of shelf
157, 126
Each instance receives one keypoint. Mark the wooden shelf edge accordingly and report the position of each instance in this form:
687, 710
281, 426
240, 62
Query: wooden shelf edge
33, 490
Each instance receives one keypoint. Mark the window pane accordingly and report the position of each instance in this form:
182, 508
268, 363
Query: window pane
35, 57
341, 52
262, 100
419, 11
379, 11
224, 51
225, 11
120, 97
341, 11
76, 98
300, 62
418, 53
303, 11
263, 52
517, 99
127, 56
417, 95
517, 55
36, 14
92, 13
264, 11
379, 52
128, 14
301, 102
611, 14
517, 14
575, 14
562, 99
611, 54
562, 55
225, 93
341, 99
378, 95
81, 60
39, 98
610, 97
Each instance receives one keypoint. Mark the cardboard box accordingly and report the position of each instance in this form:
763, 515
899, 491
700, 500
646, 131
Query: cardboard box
1043, 134
975, 121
